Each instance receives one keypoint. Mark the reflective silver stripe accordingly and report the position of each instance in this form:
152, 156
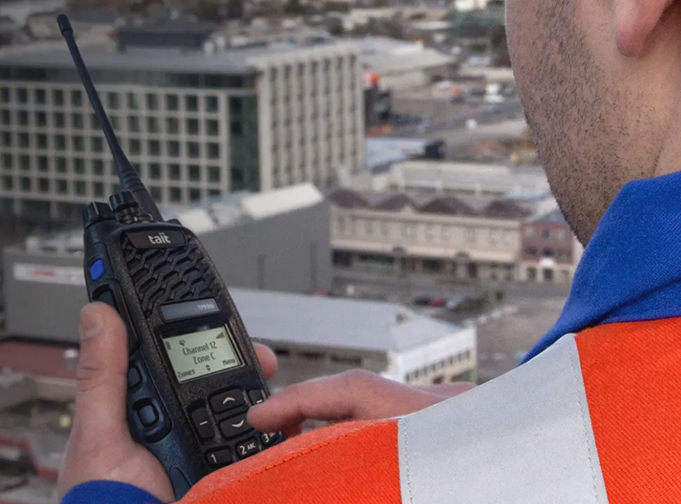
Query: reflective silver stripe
523, 438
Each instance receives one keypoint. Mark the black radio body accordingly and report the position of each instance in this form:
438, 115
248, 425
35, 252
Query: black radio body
193, 370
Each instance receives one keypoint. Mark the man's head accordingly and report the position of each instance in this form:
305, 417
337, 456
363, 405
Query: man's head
600, 81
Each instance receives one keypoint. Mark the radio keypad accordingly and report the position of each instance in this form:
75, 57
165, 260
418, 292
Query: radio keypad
247, 448
269, 438
256, 396
228, 400
201, 421
219, 458
234, 426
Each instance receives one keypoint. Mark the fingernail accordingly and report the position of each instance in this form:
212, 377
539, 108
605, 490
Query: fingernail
90, 323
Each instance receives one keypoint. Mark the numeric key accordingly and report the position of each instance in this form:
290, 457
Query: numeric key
247, 448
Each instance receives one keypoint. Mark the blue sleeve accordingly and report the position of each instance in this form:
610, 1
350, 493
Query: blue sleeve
108, 492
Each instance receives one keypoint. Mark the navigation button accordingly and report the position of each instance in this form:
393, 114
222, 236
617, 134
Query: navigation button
220, 458
148, 415
235, 426
202, 423
227, 400
247, 448
256, 396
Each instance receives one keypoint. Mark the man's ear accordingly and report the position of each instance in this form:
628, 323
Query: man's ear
635, 21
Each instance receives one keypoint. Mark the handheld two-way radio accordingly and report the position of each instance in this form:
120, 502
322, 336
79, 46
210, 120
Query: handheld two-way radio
193, 371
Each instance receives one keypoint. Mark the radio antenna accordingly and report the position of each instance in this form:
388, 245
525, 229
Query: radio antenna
127, 175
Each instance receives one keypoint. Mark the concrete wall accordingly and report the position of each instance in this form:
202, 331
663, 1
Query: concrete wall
289, 252
273, 254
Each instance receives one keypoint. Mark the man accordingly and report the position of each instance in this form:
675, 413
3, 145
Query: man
590, 418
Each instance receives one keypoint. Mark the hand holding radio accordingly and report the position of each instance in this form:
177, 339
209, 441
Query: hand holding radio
193, 372
100, 446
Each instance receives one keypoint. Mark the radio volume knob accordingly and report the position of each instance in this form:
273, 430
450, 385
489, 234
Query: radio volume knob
123, 201
96, 212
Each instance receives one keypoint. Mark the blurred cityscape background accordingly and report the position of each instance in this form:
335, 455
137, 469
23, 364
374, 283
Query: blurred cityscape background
359, 170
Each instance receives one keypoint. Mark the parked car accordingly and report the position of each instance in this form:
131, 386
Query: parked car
438, 302
421, 300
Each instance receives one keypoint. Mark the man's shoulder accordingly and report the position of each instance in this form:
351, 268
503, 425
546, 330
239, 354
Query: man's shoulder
561, 428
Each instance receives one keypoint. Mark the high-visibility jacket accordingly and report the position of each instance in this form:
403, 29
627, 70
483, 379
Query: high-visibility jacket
594, 419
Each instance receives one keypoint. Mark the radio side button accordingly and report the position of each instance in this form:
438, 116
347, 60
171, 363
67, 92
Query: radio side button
134, 377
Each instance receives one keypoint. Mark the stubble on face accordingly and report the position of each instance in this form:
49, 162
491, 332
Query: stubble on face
589, 133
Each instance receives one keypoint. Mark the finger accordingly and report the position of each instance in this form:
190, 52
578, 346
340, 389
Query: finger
102, 375
447, 389
267, 359
356, 395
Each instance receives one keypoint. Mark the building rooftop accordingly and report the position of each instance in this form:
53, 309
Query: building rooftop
473, 178
20, 10
103, 56
385, 55
380, 152
203, 217
275, 317
553, 217
37, 360
431, 203
334, 322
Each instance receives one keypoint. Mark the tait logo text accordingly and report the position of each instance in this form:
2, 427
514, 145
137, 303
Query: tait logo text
159, 239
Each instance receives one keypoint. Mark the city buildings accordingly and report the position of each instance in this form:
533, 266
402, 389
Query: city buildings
382, 152
21, 10
462, 221
468, 5
275, 241
404, 65
549, 251
195, 123
464, 179
443, 235
311, 336
316, 336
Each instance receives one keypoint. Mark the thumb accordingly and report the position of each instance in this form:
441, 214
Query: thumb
102, 375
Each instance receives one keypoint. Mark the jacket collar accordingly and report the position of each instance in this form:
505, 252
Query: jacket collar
631, 268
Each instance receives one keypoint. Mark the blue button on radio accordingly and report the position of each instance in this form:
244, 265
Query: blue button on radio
97, 270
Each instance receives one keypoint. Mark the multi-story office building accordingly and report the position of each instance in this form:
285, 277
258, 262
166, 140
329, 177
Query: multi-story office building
195, 124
